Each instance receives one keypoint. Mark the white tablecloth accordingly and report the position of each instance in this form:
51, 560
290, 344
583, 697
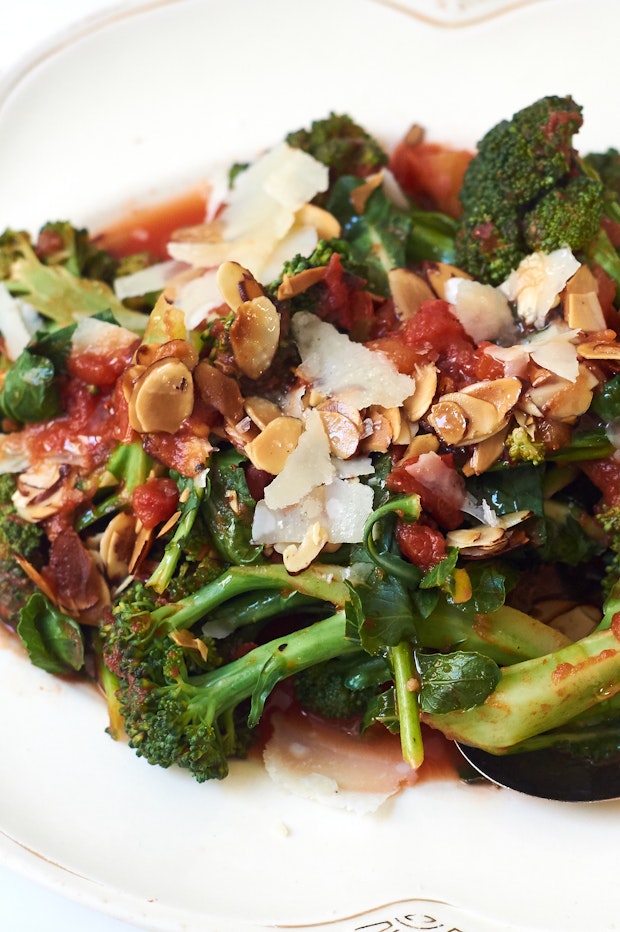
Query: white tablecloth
25, 906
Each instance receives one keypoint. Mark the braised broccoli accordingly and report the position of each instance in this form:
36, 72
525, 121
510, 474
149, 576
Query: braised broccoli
341, 688
19, 540
180, 703
341, 144
526, 189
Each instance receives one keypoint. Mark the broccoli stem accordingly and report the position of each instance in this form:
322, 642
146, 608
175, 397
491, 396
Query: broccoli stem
406, 685
505, 635
537, 695
320, 581
130, 466
160, 578
255, 674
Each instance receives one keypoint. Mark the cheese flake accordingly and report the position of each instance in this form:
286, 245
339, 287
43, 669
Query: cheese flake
336, 366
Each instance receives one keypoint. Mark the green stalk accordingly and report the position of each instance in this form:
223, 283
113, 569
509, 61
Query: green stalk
537, 695
406, 683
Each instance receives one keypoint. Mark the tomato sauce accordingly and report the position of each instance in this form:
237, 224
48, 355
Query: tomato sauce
149, 229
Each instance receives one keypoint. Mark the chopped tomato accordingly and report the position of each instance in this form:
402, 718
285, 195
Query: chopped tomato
155, 501
420, 544
403, 355
430, 173
437, 332
346, 304
605, 475
435, 479
99, 369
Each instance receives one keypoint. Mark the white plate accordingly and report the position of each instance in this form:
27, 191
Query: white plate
146, 103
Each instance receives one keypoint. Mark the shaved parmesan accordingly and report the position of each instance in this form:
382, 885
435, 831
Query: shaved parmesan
257, 227
483, 310
552, 349
18, 322
336, 366
308, 466
341, 508
153, 278
537, 282
92, 335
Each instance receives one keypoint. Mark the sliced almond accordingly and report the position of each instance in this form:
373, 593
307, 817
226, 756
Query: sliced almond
116, 545
503, 394
559, 399
438, 273
360, 195
261, 410
600, 349
417, 405
582, 308
343, 434
421, 443
297, 557
273, 446
449, 421
162, 397
237, 284
219, 390
409, 291
325, 224
293, 285
486, 453
254, 336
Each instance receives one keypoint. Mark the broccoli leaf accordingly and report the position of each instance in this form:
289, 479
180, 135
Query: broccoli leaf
380, 612
228, 509
30, 392
378, 237
509, 490
53, 640
456, 681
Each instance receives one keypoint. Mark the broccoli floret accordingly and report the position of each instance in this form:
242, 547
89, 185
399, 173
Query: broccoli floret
522, 449
606, 166
333, 689
183, 700
341, 144
60, 243
18, 539
570, 216
526, 189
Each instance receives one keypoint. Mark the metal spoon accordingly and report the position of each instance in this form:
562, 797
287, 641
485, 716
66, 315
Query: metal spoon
548, 774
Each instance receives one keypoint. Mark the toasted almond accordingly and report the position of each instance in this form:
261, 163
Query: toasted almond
438, 273
219, 390
148, 353
449, 421
293, 285
273, 446
560, 399
255, 335
360, 195
409, 291
599, 349
325, 224
116, 545
297, 557
237, 284
261, 410
162, 397
417, 405
421, 443
503, 393
486, 453
344, 435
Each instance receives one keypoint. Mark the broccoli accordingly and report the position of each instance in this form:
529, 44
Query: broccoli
179, 701
60, 243
341, 688
54, 290
521, 448
341, 144
128, 466
526, 189
538, 695
19, 540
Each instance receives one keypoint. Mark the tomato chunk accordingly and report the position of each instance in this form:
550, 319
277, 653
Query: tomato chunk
155, 501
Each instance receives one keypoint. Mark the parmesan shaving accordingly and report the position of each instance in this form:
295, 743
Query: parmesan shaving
336, 366
307, 466
537, 282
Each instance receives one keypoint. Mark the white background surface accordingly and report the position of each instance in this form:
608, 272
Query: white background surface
24, 906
